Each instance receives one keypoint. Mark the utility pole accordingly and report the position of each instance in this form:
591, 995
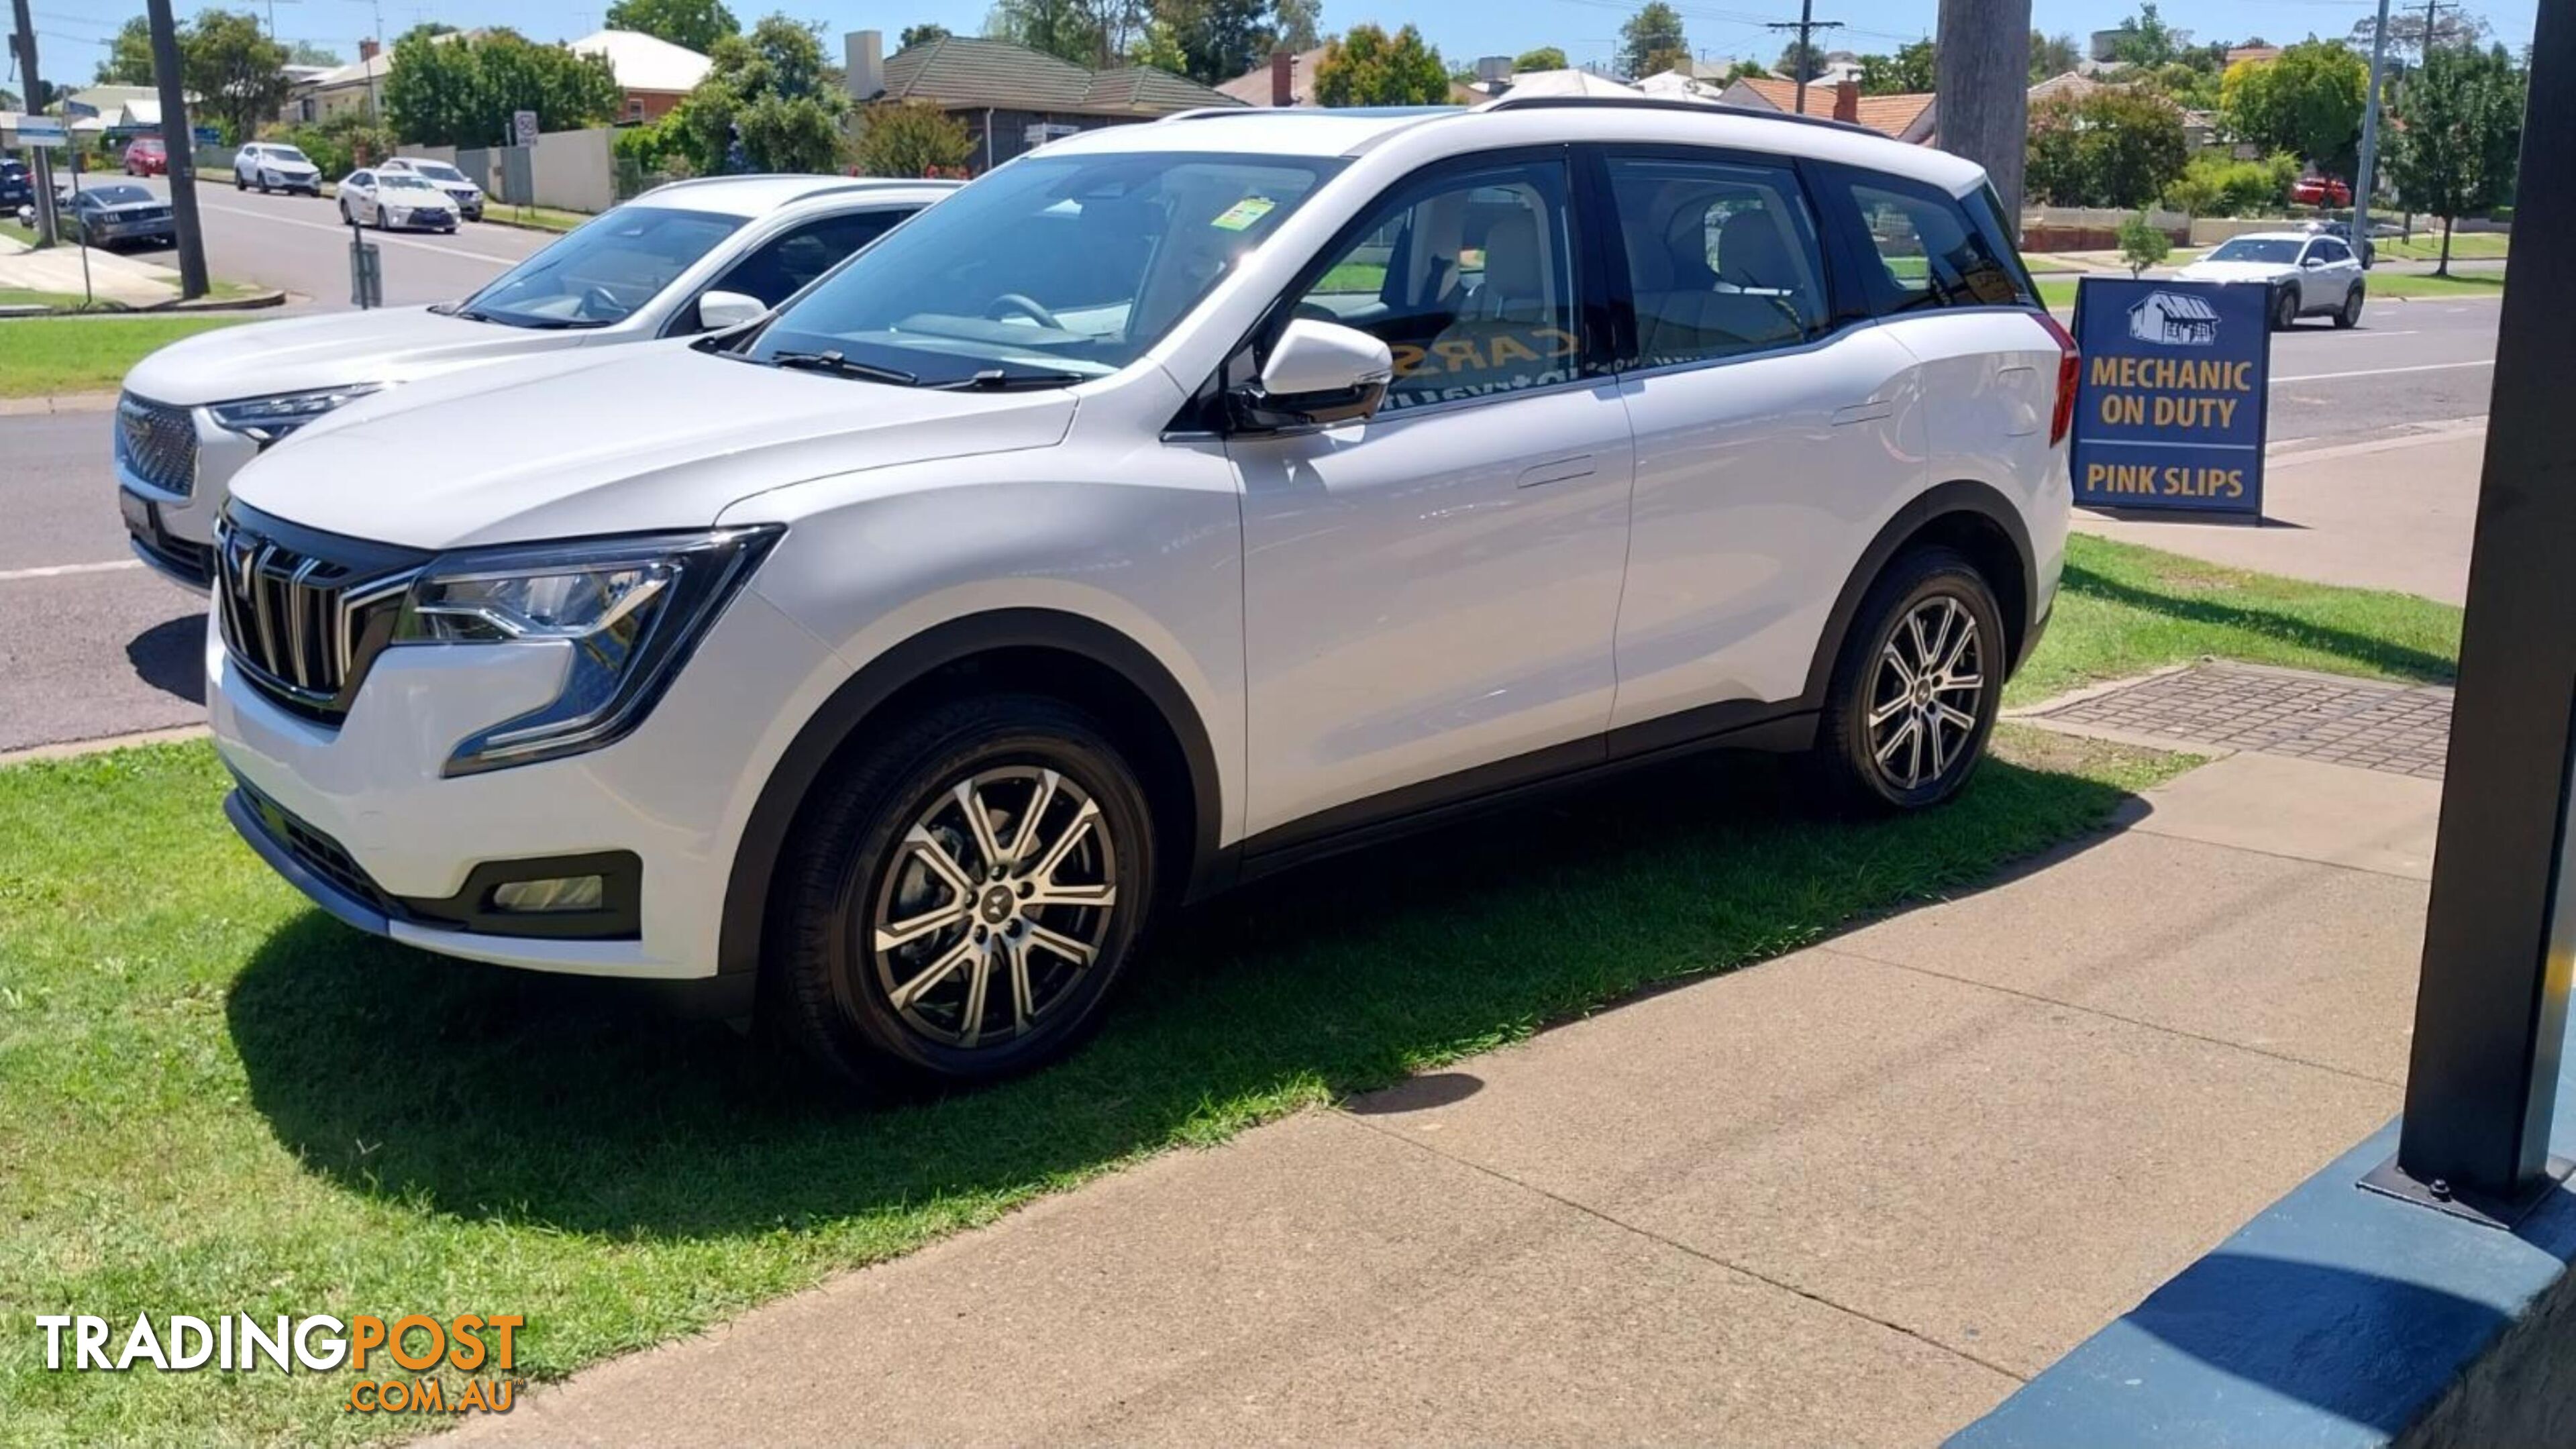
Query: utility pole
1806, 24
2361, 183
47, 232
178, 141
1981, 70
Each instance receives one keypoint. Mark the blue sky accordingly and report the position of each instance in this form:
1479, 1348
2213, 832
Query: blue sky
68, 31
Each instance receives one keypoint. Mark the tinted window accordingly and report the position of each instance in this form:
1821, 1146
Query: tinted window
1920, 248
1722, 258
2333, 251
606, 269
779, 268
116, 195
1050, 265
2277, 250
361, 178
1468, 277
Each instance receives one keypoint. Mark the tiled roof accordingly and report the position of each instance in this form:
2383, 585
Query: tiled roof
1253, 86
1887, 115
962, 73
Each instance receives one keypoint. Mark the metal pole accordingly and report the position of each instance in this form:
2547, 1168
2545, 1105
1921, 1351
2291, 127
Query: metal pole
178, 142
2361, 183
48, 226
1806, 49
2492, 1003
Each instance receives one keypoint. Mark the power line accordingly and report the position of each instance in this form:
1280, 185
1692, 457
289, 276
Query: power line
1806, 25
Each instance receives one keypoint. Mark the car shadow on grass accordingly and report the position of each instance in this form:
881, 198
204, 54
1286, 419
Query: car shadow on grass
490, 1093
2353, 646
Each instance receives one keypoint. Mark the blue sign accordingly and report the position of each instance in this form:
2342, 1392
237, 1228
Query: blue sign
2171, 410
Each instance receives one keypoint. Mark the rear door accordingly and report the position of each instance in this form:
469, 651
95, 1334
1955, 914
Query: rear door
1769, 427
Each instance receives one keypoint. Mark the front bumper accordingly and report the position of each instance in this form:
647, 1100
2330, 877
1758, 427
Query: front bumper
172, 529
361, 817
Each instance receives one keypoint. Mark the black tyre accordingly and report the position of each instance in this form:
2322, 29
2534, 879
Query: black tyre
238, 183
957, 901
1915, 693
2285, 309
345, 218
2349, 314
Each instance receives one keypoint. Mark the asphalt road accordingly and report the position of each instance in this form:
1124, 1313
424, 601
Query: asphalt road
298, 244
91, 645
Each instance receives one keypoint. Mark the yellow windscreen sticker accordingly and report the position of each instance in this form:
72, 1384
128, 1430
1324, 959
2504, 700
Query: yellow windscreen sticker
1243, 213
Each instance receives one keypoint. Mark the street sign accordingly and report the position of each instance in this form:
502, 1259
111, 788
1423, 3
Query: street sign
207, 135
42, 131
523, 126
2171, 411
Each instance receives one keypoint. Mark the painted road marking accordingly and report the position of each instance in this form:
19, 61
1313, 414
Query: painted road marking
2384, 371
57, 571
400, 241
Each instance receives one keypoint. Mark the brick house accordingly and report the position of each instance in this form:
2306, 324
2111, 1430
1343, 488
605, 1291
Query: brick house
1012, 98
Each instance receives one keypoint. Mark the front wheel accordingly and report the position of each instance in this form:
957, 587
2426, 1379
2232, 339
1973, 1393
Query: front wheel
238, 183
958, 900
2285, 309
1917, 688
2349, 315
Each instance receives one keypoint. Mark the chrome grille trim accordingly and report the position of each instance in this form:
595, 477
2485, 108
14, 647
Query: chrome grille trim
302, 623
157, 443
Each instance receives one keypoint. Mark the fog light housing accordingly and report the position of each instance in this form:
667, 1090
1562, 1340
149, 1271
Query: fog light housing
550, 895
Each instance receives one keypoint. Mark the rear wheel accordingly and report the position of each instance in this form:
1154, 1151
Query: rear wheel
962, 896
2349, 315
1915, 693
2285, 309
238, 183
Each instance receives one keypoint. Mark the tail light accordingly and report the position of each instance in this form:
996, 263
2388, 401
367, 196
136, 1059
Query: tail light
2070, 371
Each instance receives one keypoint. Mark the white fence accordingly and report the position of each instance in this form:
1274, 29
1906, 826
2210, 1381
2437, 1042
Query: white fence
572, 170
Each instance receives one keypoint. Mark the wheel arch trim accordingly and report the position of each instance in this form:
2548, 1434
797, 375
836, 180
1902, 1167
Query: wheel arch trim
849, 707
1959, 496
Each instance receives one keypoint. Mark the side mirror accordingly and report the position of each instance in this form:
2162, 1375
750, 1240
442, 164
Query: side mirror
720, 310
1319, 374
2313, 263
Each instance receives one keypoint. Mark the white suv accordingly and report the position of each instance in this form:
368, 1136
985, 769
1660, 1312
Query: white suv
679, 259
275, 166
1174, 503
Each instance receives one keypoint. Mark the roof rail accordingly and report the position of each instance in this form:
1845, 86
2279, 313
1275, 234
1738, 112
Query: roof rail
1202, 113
1508, 102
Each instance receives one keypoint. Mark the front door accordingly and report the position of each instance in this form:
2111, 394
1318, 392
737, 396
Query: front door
1435, 589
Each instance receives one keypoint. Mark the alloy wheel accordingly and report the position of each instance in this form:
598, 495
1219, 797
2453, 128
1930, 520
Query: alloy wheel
1925, 692
998, 900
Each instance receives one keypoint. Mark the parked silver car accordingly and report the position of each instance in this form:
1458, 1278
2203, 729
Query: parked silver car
2308, 274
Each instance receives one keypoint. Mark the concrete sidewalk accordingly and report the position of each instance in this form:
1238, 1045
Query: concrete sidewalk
112, 276
2391, 513
1853, 1196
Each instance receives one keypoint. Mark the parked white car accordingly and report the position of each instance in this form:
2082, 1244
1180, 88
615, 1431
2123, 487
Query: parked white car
467, 197
2309, 273
275, 166
678, 260
389, 199
1172, 504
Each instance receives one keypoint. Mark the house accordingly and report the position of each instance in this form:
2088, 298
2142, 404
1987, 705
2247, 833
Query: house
357, 88
1564, 83
1014, 99
1678, 84
2175, 319
1907, 117
1288, 79
655, 74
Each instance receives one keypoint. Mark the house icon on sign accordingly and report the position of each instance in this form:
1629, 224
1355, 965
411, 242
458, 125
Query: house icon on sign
2175, 319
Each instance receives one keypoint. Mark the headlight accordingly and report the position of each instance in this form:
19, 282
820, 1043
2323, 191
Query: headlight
629, 610
268, 419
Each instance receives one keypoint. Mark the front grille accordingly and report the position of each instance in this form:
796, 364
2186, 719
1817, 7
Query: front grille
313, 850
157, 443
303, 613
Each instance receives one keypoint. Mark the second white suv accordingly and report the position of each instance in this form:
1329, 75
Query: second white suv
275, 166
1172, 504
677, 260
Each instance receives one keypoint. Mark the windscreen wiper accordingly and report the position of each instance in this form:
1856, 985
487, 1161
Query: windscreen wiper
1003, 379
834, 362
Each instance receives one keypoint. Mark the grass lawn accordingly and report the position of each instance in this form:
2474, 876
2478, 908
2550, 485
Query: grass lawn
2459, 284
40, 356
221, 1100
2427, 245
22, 297
544, 218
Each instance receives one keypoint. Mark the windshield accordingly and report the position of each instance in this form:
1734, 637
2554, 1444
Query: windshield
604, 271
2257, 249
403, 181
1060, 267
437, 171
118, 195
287, 154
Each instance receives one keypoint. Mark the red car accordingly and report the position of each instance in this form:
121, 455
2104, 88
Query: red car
146, 157
2320, 191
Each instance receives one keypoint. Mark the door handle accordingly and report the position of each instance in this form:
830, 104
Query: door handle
1556, 470
1863, 412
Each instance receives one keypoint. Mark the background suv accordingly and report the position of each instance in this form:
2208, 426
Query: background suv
2308, 272
275, 166
1171, 505
676, 260
467, 196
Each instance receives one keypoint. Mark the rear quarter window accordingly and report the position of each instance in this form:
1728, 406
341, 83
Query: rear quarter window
1915, 246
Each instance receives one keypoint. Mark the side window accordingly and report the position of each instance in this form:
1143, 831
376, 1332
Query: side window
1722, 258
2332, 250
1928, 253
781, 266
361, 178
1468, 277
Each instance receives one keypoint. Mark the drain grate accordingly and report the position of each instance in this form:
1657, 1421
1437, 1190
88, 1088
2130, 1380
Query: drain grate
2398, 728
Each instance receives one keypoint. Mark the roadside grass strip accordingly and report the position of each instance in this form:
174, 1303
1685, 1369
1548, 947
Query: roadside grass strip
46, 356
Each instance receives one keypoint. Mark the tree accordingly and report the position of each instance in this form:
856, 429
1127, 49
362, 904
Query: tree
2115, 146
2308, 102
2459, 130
770, 94
129, 55
692, 24
1085, 32
2456, 30
1296, 20
1546, 57
912, 138
1744, 68
922, 34
2141, 245
461, 91
1648, 35
1212, 40
306, 52
1800, 61
2052, 55
2145, 39
1364, 66
1908, 72
236, 70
